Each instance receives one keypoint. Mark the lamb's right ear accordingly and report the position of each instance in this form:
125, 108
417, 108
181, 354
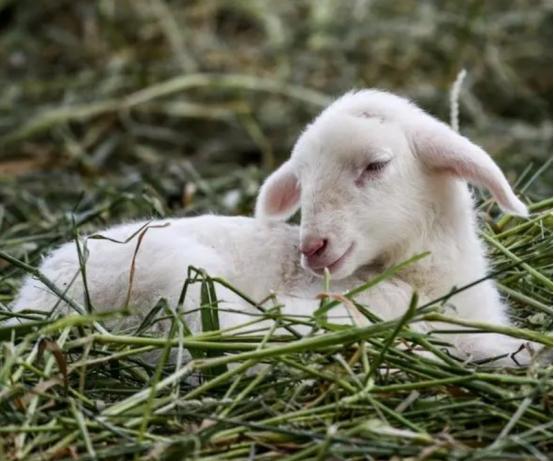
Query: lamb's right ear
279, 196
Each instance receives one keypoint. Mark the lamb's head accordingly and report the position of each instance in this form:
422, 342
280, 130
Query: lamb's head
370, 173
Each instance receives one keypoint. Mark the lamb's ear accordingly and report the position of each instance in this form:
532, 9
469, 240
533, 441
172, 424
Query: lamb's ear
443, 149
279, 196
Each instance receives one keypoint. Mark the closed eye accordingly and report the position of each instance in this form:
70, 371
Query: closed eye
374, 167
372, 171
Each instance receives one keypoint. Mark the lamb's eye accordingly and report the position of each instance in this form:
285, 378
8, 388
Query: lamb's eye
371, 171
375, 167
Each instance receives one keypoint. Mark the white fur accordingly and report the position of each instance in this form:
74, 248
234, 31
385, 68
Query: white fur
418, 202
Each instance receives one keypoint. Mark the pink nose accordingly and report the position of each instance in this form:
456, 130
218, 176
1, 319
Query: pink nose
312, 246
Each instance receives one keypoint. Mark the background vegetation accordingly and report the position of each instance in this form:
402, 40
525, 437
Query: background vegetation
120, 109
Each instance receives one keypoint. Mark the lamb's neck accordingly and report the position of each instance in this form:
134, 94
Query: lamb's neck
456, 255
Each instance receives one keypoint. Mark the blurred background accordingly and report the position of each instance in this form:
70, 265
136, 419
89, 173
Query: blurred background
116, 109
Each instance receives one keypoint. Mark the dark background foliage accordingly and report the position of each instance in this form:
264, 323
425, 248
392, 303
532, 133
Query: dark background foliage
70, 66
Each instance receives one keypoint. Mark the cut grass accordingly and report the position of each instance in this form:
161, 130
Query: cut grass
352, 393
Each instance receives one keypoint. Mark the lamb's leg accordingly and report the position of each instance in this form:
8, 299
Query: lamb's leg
390, 299
494, 349
469, 305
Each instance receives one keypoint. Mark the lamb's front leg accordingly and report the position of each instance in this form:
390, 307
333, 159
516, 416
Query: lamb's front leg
482, 305
391, 298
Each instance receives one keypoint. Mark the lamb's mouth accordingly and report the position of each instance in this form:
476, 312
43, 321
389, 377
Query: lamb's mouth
335, 265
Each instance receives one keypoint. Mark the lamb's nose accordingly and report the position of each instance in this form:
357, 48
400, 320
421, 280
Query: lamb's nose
312, 246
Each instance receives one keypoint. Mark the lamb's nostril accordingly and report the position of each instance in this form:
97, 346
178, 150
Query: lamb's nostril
322, 248
312, 247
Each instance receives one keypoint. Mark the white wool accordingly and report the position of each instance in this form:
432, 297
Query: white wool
416, 201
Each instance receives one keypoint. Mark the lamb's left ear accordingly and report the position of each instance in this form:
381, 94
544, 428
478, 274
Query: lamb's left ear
279, 196
443, 149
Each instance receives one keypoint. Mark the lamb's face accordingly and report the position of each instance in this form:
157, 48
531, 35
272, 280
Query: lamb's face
362, 192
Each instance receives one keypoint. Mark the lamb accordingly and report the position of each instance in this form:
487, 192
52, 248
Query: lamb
377, 180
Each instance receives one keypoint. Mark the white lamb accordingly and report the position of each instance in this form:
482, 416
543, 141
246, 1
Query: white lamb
377, 181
